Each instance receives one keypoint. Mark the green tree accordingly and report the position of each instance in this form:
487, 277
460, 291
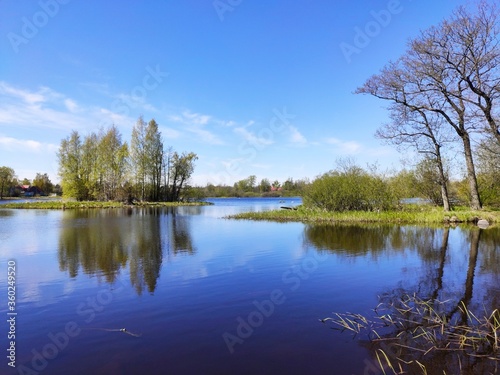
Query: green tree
264, 185
112, 163
403, 184
6, 176
42, 181
154, 155
89, 169
139, 157
147, 157
25, 181
70, 167
428, 180
181, 169
246, 185
488, 157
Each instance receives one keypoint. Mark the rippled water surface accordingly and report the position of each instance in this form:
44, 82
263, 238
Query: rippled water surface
201, 294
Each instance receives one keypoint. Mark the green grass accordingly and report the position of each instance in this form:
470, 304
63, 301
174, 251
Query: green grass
408, 215
62, 205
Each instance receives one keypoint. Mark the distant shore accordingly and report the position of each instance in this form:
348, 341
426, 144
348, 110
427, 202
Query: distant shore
427, 215
53, 204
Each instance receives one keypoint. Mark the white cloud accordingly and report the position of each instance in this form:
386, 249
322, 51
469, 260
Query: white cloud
252, 138
26, 96
196, 118
190, 118
197, 123
206, 136
296, 137
23, 145
261, 166
135, 101
169, 132
71, 105
347, 147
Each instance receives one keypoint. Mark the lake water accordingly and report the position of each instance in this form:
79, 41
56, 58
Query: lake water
200, 294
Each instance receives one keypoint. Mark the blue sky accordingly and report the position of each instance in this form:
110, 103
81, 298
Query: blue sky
259, 88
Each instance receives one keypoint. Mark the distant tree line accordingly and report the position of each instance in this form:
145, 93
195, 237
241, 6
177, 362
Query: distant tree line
103, 167
11, 186
249, 187
443, 94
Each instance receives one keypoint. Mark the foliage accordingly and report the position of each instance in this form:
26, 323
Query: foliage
73, 170
350, 189
403, 184
181, 168
428, 181
489, 172
6, 179
102, 167
249, 188
42, 181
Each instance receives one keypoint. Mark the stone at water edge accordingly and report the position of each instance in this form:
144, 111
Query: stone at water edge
483, 224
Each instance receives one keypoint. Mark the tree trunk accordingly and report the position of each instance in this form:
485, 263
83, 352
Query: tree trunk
475, 200
442, 180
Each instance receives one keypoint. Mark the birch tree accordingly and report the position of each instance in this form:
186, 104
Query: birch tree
138, 155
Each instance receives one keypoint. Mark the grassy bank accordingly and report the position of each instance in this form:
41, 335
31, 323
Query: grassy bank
409, 215
60, 205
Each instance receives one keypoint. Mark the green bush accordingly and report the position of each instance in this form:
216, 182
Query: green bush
352, 189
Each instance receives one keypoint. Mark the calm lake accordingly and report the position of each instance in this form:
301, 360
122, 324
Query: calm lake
200, 294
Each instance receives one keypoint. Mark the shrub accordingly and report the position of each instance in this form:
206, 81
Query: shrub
351, 189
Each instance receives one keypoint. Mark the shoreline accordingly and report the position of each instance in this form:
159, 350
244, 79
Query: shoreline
60, 205
427, 216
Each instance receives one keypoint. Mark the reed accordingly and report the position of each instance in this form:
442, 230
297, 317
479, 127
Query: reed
423, 330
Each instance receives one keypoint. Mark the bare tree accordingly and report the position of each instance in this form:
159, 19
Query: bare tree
414, 127
423, 81
470, 49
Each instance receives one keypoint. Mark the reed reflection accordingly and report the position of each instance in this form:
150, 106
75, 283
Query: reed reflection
443, 317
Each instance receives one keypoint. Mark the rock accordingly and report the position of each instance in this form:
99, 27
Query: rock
455, 219
483, 224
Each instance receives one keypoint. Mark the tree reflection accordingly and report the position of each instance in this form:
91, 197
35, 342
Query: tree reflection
146, 253
358, 240
102, 242
180, 234
92, 240
444, 321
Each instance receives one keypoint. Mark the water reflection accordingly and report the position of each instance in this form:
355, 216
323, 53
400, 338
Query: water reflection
358, 240
459, 273
6, 213
103, 243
